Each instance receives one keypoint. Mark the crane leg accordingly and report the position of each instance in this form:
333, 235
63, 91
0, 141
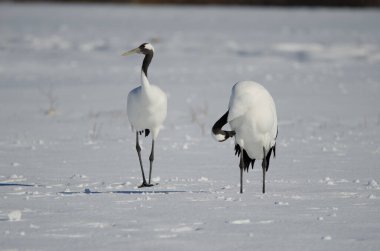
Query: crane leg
241, 165
138, 149
151, 158
264, 166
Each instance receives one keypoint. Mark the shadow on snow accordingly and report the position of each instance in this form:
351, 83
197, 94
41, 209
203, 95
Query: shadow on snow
16, 184
87, 191
132, 192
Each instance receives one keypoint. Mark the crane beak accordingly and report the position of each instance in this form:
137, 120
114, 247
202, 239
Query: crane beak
137, 50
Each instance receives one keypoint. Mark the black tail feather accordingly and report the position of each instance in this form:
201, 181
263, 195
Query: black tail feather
252, 162
268, 158
274, 147
146, 132
246, 159
237, 150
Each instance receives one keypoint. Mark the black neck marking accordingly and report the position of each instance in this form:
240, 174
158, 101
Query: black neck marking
147, 59
217, 128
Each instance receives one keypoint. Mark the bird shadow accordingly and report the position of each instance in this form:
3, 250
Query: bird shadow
88, 191
131, 192
16, 185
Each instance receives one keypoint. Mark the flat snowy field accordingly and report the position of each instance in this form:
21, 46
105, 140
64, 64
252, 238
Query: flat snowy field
69, 169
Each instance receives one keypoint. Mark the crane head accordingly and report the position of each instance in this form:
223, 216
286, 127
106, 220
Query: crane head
145, 48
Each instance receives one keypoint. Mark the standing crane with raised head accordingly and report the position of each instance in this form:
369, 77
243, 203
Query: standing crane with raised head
252, 117
146, 107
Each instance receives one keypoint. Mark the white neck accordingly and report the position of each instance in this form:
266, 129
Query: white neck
144, 80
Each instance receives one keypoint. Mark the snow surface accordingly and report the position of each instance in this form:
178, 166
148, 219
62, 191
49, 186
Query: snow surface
69, 170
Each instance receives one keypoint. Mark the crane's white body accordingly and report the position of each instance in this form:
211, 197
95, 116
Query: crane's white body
147, 107
252, 115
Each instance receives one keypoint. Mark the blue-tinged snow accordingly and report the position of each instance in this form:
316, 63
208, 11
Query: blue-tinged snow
68, 167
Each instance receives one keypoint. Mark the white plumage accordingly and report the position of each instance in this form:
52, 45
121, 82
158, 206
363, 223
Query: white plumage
146, 107
252, 115
253, 120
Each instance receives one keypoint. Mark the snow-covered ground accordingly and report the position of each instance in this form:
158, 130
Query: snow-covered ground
68, 167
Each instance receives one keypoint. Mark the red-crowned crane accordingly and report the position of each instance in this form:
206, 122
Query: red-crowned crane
253, 120
146, 107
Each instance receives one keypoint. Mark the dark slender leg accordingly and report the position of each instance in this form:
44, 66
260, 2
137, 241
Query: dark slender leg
138, 149
241, 165
151, 158
264, 166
